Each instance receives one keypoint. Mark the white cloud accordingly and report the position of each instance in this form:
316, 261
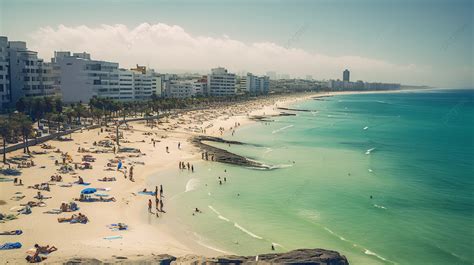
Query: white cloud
162, 46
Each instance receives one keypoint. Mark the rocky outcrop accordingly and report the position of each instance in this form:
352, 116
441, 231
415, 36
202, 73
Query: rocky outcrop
304, 110
224, 156
266, 118
299, 256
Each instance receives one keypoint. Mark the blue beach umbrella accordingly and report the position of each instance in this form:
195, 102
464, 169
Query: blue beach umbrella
119, 166
88, 191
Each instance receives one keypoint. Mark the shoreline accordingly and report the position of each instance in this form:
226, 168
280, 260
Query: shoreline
147, 235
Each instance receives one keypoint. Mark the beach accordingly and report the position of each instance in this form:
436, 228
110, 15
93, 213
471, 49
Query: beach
146, 234
313, 208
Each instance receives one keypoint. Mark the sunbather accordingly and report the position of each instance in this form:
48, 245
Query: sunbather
45, 249
79, 218
107, 179
80, 180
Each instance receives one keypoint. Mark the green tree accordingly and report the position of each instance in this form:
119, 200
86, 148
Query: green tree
21, 105
6, 131
38, 109
58, 104
24, 124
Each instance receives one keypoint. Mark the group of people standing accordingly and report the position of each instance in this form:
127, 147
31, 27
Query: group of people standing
206, 156
187, 166
158, 201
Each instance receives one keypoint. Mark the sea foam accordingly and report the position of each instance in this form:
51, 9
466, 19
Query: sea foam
281, 129
247, 231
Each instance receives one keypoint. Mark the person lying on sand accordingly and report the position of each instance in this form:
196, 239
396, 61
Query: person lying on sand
79, 218
45, 249
11, 233
34, 204
42, 186
107, 179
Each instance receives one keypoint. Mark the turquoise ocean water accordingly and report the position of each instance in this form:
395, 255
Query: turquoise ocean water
412, 152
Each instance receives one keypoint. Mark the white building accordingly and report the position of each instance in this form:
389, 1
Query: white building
181, 88
157, 85
142, 85
82, 78
4, 76
22, 74
126, 85
221, 83
256, 85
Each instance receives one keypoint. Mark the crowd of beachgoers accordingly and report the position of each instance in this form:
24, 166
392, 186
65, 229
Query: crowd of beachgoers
90, 196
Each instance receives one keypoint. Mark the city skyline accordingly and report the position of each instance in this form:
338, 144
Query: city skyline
431, 47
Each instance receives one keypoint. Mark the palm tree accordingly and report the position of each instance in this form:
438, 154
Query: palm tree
6, 130
58, 104
25, 126
80, 111
69, 113
39, 108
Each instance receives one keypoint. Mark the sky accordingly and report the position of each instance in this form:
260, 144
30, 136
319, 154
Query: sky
416, 42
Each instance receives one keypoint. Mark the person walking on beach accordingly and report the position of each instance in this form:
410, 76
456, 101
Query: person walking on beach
150, 204
157, 204
167, 150
161, 190
179, 145
156, 191
161, 206
192, 168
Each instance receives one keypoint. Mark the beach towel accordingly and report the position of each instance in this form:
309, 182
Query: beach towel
147, 193
75, 221
42, 197
66, 185
5, 180
53, 211
32, 252
11, 233
112, 237
83, 184
7, 246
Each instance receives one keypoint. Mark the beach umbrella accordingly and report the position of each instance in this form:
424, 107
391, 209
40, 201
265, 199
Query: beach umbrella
88, 191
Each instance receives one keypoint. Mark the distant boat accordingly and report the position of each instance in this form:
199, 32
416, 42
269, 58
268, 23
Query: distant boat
366, 127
